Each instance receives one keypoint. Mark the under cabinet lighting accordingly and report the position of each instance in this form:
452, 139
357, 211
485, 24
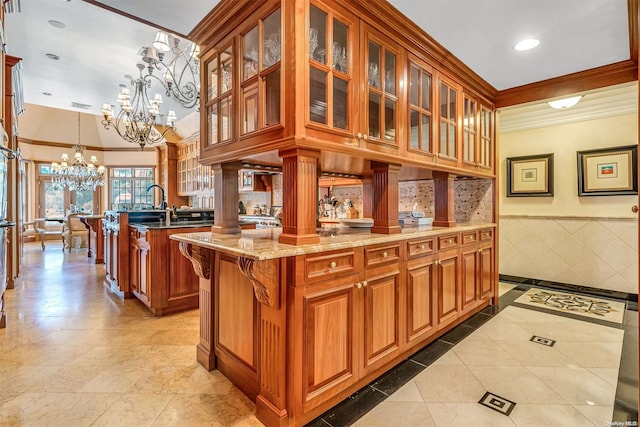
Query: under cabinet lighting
561, 104
526, 44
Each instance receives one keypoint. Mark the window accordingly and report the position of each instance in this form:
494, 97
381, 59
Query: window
55, 201
128, 188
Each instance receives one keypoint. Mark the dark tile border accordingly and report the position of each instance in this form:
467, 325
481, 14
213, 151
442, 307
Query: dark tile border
497, 403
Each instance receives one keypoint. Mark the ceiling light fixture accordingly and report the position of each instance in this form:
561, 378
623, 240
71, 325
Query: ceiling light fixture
78, 175
561, 104
136, 120
180, 73
57, 24
526, 44
52, 56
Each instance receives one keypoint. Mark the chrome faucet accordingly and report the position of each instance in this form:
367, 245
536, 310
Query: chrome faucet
163, 204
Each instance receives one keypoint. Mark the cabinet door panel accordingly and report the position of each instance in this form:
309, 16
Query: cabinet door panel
469, 276
420, 298
448, 287
485, 279
329, 338
381, 317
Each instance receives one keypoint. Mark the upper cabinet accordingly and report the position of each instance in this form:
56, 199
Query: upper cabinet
342, 77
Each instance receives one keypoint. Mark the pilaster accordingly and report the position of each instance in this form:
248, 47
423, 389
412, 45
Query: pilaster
444, 194
385, 198
225, 184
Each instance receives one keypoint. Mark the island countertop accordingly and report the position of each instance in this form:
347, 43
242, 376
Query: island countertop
262, 244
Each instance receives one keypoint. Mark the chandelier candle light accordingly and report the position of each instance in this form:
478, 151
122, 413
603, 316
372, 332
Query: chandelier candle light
78, 175
136, 120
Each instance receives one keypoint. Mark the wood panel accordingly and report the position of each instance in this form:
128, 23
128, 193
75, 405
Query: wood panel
236, 313
183, 281
448, 287
468, 260
421, 298
486, 281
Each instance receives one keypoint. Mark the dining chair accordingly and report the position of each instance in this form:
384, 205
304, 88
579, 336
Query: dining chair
73, 228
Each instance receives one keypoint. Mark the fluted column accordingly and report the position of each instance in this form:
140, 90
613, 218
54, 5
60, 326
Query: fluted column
385, 198
444, 188
225, 184
299, 193
367, 197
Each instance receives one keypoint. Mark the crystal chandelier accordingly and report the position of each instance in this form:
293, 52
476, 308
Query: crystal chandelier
136, 120
180, 73
78, 175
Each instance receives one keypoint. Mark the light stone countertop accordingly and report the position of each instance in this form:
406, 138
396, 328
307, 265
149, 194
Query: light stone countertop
262, 244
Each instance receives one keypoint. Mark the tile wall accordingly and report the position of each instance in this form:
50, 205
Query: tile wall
596, 252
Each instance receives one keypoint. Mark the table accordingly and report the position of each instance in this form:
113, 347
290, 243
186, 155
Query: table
94, 225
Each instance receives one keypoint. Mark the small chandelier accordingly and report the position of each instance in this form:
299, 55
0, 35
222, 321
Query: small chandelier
136, 120
78, 175
180, 74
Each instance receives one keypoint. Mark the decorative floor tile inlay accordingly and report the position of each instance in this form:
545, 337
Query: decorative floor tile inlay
497, 403
581, 305
541, 340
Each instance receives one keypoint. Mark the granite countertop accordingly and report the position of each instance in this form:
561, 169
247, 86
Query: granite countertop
262, 244
159, 225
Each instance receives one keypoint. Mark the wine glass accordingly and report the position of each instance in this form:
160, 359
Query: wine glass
373, 74
313, 41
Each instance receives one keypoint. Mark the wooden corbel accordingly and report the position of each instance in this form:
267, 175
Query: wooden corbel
200, 259
265, 279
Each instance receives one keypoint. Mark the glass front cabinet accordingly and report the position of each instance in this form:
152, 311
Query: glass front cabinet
319, 74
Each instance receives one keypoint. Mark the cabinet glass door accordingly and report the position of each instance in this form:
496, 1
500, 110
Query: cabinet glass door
420, 115
486, 139
260, 83
448, 124
382, 98
469, 131
330, 69
219, 97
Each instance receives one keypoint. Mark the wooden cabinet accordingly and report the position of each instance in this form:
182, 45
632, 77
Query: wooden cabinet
477, 271
3, 273
159, 275
193, 178
449, 95
421, 291
116, 248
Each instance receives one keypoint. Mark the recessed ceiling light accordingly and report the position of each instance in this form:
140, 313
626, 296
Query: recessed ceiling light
561, 104
46, 93
57, 24
52, 56
526, 44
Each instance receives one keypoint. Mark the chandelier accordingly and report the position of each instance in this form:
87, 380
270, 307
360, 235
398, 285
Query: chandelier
180, 73
136, 120
78, 175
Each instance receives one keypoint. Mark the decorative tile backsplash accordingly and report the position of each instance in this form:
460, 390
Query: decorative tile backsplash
595, 252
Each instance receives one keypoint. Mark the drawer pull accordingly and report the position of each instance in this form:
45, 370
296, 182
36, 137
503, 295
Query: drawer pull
332, 264
384, 255
448, 241
421, 246
365, 283
358, 285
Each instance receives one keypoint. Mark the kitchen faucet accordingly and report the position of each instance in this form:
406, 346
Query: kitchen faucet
163, 204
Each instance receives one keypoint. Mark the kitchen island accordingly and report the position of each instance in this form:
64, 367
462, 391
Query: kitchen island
300, 327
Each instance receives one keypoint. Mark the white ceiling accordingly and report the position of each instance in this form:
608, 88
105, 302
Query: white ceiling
98, 47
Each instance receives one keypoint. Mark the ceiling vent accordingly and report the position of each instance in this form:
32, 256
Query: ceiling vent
80, 105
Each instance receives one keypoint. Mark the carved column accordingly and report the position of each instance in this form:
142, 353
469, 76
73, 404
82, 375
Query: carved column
267, 279
444, 187
367, 197
385, 198
299, 193
201, 259
225, 184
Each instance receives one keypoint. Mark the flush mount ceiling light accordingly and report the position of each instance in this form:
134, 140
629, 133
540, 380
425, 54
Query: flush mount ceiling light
526, 44
57, 24
561, 104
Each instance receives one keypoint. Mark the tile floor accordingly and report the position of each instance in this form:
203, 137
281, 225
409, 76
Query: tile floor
73, 354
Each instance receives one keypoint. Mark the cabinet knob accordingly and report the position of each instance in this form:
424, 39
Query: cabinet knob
365, 137
421, 246
359, 135
332, 264
437, 262
358, 285
634, 209
365, 283
385, 254
479, 251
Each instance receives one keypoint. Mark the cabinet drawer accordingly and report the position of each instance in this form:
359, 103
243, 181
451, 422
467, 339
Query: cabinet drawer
329, 264
420, 247
448, 241
486, 234
382, 254
469, 237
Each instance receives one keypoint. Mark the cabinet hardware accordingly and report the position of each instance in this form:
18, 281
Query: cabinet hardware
421, 246
384, 254
332, 264
359, 135
479, 251
365, 283
634, 209
365, 136
358, 285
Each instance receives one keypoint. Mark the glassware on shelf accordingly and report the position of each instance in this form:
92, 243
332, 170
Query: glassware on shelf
313, 42
272, 50
226, 79
373, 74
389, 82
251, 63
320, 55
341, 65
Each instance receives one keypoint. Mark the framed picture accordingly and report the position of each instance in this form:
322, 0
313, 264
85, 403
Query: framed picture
530, 176
608, 171
246, 180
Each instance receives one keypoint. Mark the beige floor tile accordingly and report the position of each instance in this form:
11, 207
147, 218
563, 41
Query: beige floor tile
578, 386
525, 415
449, 383
203, 382
157, 356
407, 393
173, 337
467, 415
505, 287
134, 410
528, 353
610, 375
66, 379
117, 379
500, 329
169, 379
592, 354
598, 415
483, 352
397, 414
449, 358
